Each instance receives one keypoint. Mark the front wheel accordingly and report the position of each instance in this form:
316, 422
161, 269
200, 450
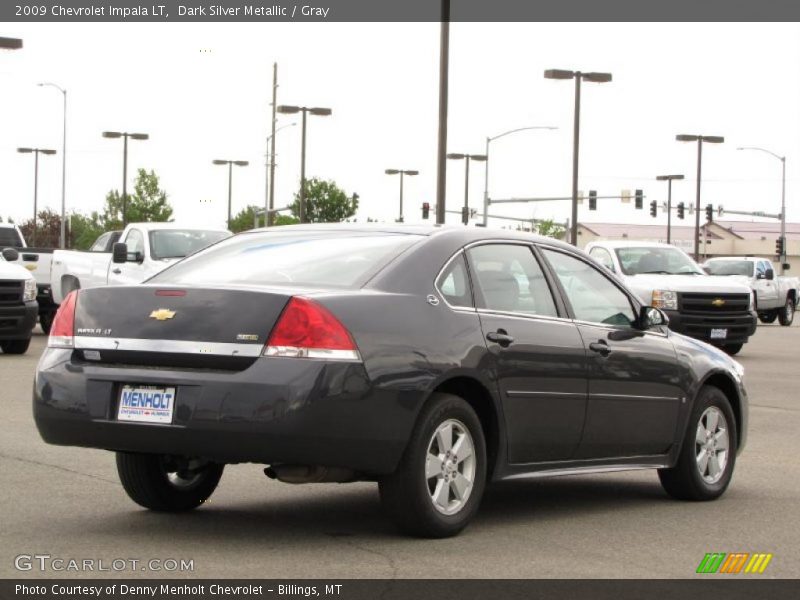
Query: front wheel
165, 483
439, 482
786, 314
732, 349
767, 317
15, 346
708, 454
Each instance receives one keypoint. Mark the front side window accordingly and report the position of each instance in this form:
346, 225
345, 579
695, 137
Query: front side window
453, 283
135, 243
594, 298
511, 280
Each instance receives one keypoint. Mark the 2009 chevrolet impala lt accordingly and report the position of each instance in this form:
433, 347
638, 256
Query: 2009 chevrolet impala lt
431, 360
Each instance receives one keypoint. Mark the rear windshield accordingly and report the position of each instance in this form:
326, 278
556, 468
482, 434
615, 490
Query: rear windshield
177, 243
304, 259
729, 267
9, 238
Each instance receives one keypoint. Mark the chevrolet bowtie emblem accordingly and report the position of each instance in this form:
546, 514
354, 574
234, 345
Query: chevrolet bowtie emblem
718, 302
162, 314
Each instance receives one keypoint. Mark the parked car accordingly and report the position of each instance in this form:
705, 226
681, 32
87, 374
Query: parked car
37, 261
430, 360
140, 251
18, 307
776, 297
718, 311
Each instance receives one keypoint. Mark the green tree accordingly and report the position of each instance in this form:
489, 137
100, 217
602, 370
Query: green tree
325, 202
148, 203
549, 228
286, 220
83, 230
245, 219
48, 229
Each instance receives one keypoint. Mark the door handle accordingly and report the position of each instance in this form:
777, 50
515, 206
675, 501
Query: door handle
601, 347
116, 271
500, 337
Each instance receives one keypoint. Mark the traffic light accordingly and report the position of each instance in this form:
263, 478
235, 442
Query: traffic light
426, 210
779, 246
654, 209
709, 212
681, 210
592, 200
639, 199
465, 215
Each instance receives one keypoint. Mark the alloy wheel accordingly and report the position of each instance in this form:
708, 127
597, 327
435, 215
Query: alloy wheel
712, 445
450, 466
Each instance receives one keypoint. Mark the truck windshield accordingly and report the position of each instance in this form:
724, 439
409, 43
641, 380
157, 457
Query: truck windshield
656, 259
314, 259
730, 267
178, 243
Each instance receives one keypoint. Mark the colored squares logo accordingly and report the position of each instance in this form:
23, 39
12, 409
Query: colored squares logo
734, 563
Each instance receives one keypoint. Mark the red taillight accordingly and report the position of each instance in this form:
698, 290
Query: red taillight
62, 331
307, 329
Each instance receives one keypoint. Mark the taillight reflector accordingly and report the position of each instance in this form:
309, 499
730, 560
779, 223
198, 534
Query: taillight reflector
306, 329
62, 331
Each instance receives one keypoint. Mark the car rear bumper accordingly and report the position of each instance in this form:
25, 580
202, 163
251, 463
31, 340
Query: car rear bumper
277, 411
17, 322
739, 327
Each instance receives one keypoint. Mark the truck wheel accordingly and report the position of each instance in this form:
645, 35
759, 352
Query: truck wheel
15, 346
46, 321
768, 317
165, 483
438, 484
732, 349
708, 454
786, 314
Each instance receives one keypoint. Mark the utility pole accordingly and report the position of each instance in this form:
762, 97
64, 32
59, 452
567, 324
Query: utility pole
269, 215
444, 65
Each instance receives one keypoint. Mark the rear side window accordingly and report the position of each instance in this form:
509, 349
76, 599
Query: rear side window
300, 258
511, 280
100, 244
9, 238
453, 283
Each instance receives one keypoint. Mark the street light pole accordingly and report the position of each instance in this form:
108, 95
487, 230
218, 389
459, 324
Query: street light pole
444, 80
401, 172
711, 139
270, 214
578, 76
490, 139
466, 158
62, 234
125, 135
36, 152
230, 163
320, 112
783, 196
669, 179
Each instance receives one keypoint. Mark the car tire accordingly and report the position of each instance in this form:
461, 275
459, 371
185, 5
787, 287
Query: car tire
166, 484
46, 321
708, 454
732, 349
768, 317
422, 495
15, 346
786, 314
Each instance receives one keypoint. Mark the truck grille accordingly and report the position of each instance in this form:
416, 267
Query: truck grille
11, 292
714, 304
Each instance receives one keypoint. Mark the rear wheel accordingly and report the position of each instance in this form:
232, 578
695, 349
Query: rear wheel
438, 485
768, 317
732, 349
708, 455
15, 346
786, 314
165, 483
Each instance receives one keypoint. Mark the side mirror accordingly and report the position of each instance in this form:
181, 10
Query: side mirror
770, 275
650, 316
760, 275
786, 266
10, 254
119, 252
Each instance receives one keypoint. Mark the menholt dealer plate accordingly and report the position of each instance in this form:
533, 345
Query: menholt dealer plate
146, 403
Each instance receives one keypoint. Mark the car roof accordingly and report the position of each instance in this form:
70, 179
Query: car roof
467, 234
747, 258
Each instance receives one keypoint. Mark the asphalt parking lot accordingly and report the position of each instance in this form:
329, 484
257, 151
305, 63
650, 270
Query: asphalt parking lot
67, 503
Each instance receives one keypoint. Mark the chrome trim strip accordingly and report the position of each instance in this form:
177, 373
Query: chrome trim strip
583, 471
523, 316
295, 352
167, 346
513, 393
633, 397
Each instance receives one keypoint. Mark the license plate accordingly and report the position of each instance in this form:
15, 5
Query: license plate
146, 404
719, 334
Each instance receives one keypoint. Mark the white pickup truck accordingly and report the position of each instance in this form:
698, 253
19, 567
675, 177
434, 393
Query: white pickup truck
18, 307
143, 250
712, 309
776, 297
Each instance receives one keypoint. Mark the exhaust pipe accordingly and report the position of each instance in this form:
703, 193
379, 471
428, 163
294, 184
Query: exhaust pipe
310, 474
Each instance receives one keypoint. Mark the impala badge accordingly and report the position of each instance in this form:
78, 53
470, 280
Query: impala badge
162, 314
718, 302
